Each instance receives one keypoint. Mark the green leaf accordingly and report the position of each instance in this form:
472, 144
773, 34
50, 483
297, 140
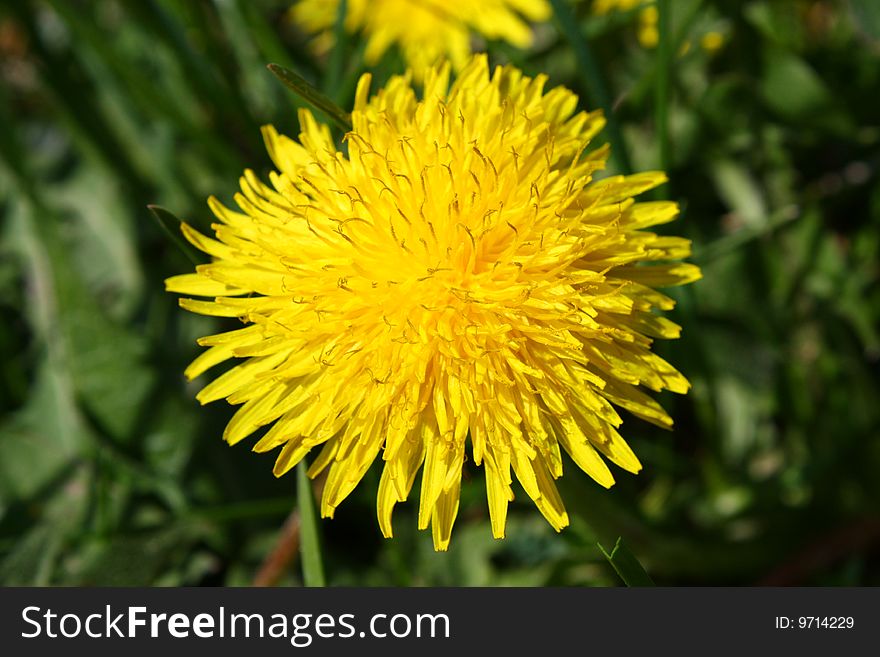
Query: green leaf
740, 191
792, 88
627, 566
34, 556
171, 226
148, 558
866, 15
41, 440
89, 351
779, 23
310, 544
307, 92
101, 239
102, 355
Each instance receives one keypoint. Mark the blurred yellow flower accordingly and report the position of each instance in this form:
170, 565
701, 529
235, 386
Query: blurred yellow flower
456, 275
648, 17
608, 6
712, 41
426, 30
648, 32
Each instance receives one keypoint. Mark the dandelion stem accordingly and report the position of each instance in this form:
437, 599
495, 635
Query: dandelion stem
310, 546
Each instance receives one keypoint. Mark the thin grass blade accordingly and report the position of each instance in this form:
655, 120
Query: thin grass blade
664, 69
308, 93
171, 225
626, 565
593, 80
337, 55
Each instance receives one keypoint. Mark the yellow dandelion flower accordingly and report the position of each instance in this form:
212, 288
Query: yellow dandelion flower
426, 30
455, 276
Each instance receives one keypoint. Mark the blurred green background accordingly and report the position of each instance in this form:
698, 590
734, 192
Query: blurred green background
111, 473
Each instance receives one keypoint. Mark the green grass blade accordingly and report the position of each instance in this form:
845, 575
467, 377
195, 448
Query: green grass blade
307, 92
264, 36
664, 68
688, 14
310, 544
171, 225
626, 565
593, 80
72, 94
169, 30
742, 237
337, 55
129, 82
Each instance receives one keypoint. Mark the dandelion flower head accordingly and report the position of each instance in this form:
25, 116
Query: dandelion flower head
455, 280
425, 30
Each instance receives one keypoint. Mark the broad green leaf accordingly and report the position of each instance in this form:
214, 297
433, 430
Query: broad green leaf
103, 239
31, 559
140, 559
741, 192
104, 360
778, 22
34, 557
43, 439
866, 15
107, 361
792, 88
